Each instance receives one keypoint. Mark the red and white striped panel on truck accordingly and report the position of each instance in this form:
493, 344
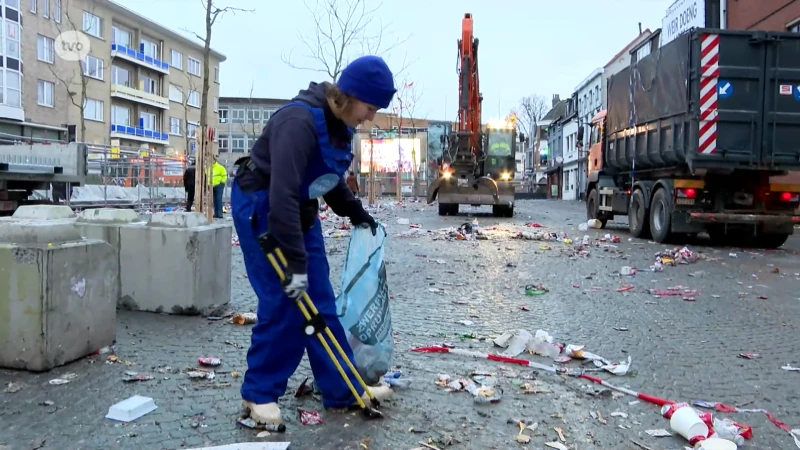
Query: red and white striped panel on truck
709, 75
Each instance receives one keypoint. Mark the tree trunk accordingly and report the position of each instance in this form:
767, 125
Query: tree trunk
203, 186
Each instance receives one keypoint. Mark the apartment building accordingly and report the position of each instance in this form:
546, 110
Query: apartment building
141, 82
240, 121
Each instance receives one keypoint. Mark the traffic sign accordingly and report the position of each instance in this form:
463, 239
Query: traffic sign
797, 92
724, 88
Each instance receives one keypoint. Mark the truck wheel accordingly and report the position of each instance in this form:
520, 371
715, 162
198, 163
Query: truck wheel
593, 208
771, 240
502, 211
448, 209
661, 216
638, 222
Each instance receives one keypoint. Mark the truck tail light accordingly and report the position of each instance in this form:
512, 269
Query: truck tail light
789, 197
690, 193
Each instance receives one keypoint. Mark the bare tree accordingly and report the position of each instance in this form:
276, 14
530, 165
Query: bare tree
532, 110
344, 29
412, 96
76, 79
251, 127
185, 101
204, 156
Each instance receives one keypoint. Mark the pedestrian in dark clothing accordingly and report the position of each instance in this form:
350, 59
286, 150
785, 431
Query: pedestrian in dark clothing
352, 183
188, 184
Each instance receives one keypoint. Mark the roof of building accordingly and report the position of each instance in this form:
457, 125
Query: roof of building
130, 14
557, 111
627, 48
257, 100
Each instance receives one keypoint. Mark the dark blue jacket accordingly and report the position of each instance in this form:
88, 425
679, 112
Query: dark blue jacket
282, 152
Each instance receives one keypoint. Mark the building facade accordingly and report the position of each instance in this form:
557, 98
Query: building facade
138, 86
764, 15
555, 143
569, 144
590, 101
240, 122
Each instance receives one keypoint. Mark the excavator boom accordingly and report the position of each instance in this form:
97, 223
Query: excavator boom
469, 107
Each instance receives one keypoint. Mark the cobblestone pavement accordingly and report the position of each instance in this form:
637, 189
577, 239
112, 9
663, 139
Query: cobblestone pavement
681, 350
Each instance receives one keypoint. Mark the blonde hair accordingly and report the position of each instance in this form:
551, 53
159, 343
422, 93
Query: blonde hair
341, 104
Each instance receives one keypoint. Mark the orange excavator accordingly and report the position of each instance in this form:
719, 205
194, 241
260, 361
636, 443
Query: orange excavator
478, 166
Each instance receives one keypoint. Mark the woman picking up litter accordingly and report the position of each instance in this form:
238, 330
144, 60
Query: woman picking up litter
301, 155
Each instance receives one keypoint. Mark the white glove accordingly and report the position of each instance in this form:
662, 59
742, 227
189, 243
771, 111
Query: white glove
296, 285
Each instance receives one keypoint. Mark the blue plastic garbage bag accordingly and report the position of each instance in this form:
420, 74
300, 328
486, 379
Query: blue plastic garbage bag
363, 304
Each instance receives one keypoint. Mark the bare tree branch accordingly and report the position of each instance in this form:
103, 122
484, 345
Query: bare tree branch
532, 109
343, 30
76, 81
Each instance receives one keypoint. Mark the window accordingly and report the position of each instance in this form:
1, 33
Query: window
120, 76
150, 48
33, 6
216, 74
268, 114
92, 25
193, 66
175, 93
149, 85
12, 39
795, 28
216, 103
175, 126
46, 9
223, 115
237, 116
194, 99
57, 14
13, 88
120, 36
93, 67
253, 115
120, 115
147, 121
93, 109
45, 92
224, 146
44, 48
176, 59
191, 129
239, 144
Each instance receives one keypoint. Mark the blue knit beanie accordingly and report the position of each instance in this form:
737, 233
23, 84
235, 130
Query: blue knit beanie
368, 79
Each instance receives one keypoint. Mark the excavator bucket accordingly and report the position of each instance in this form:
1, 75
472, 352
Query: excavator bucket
433, 189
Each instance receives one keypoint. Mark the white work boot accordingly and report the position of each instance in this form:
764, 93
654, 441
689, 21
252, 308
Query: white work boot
266, 414
380, 392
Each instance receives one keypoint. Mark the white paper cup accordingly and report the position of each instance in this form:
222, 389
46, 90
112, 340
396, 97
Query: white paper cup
718, 444
688, 424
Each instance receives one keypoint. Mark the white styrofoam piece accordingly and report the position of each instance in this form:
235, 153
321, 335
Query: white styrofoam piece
249, 446
131, 409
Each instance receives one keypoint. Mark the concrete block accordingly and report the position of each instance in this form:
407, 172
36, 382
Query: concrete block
178, 263
105, 224
44, 212
58, 296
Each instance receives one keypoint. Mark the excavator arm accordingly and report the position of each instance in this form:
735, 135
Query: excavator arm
469, 105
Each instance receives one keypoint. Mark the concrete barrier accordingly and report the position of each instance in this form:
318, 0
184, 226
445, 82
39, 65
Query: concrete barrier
105, 224
58, 296
178, 263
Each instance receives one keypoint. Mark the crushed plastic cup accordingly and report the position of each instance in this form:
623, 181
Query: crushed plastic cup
688, 424
594, 223
718, 444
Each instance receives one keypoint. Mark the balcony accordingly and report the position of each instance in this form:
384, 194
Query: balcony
139, 134
138, 96
11, 112
138, 57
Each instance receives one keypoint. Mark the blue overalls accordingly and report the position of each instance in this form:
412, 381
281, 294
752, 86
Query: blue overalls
278, 341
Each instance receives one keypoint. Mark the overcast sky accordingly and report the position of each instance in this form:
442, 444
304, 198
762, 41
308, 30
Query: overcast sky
526, 47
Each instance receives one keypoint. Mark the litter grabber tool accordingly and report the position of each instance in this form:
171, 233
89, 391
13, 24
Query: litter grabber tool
316, 325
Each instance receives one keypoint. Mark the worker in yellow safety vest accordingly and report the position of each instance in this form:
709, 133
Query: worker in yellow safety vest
219, 175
